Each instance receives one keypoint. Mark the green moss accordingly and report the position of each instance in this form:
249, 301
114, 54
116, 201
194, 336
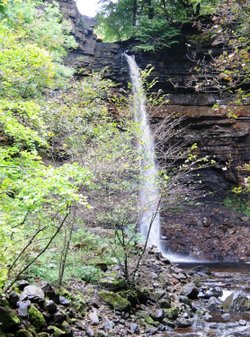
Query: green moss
116, 301
171, 313
9, 319
56, 331
24, 333
36, 318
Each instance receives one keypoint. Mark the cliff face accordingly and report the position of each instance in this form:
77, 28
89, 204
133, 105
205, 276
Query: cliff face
217, 134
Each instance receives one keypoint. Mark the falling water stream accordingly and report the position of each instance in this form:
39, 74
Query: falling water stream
149, 195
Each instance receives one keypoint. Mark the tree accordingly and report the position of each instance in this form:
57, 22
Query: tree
155, 23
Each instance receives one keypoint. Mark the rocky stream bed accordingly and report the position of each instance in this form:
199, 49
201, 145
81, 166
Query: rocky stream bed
170, 301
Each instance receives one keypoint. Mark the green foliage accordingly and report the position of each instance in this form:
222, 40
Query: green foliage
154, 23
33, 42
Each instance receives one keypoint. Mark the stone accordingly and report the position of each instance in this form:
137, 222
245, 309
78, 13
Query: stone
134, 329
36, 318
115, 300
112, 283
50, 306
22, 308
43, 334
90, 332
171, 313
13, 298
21, 284
158, 315
214, 304
66, 327
9, 321
190, 290
93, 316
33, 293
64, 301
242, 322
24, 333
165, 302
183, 322
59, 317
56, 331
237, 302
108, 325
49, 291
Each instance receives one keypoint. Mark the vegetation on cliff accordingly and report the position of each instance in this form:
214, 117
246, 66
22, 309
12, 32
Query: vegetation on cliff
156, 24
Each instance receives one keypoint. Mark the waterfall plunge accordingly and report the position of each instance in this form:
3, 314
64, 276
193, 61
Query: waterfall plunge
149, 192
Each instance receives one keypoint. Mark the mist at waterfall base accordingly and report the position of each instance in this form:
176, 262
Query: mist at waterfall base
149, 194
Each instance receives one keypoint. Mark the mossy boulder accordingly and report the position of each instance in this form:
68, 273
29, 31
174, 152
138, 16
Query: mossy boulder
171, 313
24, 333
56, 331
149, 320
115, 300
112, 283
36, 318
9, 320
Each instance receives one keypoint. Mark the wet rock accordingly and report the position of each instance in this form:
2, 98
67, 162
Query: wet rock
33, 293
36, 318
115, 300
190, 290
50, 306
184, 322
214, 304
201, 270
211, 292
93, 316
23, 307
242, 322
237, 302
9, 320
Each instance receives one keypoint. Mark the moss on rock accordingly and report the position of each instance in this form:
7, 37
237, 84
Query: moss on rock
36, 318
9, 320
171, 313
115, 300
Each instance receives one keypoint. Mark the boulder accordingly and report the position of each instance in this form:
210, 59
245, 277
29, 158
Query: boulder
115, 300
33, 293
237, 302
9, 321
36, 318
190, 290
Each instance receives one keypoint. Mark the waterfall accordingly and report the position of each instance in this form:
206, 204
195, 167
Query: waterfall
149, 192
